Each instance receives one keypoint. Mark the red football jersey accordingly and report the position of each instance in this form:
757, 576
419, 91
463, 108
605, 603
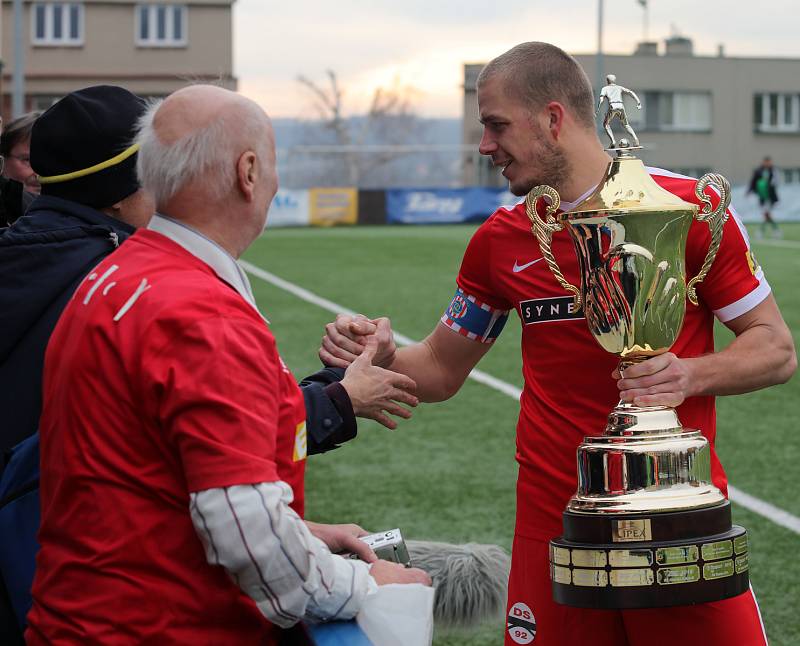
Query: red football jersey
569, 390
160, 380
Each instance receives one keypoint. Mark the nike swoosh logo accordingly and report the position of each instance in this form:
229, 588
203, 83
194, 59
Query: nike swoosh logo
519, 268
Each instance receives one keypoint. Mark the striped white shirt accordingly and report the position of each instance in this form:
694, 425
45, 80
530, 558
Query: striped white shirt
268, 551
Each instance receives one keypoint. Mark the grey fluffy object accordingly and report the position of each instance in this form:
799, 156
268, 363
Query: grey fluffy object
471, 580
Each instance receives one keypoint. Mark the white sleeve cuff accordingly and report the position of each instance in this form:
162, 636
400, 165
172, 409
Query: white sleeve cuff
747, 302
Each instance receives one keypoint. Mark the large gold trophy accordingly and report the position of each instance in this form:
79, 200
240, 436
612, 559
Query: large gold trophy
647, 527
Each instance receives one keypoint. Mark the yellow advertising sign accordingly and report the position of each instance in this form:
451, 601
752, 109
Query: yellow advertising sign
329, 206
300, 443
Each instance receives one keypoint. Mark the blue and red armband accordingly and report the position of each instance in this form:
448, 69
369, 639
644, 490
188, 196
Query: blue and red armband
475, 320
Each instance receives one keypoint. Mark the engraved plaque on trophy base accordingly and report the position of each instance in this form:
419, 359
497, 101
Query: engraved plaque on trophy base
649, 560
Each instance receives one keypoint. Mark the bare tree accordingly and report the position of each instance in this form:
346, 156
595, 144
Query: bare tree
329, 105
364, 143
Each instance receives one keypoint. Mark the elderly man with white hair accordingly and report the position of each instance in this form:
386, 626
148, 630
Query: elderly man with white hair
173, 432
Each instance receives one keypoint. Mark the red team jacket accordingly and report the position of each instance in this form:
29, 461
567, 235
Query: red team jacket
569, 390
161, 380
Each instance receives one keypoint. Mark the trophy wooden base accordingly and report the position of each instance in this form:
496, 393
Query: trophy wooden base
649, 560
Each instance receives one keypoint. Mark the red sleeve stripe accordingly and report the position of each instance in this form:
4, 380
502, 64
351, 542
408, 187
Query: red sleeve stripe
457, 328
464, 332
483, 306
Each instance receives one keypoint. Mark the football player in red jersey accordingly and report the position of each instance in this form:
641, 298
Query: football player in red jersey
536, 107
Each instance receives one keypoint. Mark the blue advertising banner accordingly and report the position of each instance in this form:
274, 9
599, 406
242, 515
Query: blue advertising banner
446, 205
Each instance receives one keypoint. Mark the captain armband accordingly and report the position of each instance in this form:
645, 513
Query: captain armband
473, 319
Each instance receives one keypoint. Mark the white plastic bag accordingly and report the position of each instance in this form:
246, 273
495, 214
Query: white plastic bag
398, 615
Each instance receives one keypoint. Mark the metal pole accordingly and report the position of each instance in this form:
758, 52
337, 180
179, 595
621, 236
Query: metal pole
600, 71
18, 101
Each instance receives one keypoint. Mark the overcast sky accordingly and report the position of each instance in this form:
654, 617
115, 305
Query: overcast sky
424, 43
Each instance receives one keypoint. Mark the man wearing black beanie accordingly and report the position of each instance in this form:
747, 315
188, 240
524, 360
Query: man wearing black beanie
82, 149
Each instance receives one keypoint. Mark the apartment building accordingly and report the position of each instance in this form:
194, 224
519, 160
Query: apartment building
698, 112
151, 48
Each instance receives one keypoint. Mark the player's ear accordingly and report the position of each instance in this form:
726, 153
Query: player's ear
554, 119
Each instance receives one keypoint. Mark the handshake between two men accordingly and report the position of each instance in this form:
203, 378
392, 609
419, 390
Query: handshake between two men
436, 367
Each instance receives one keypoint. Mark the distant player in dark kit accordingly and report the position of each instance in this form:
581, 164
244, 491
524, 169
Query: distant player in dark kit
763, 185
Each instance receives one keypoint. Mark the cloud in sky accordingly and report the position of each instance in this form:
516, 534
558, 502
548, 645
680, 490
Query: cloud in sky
425, 44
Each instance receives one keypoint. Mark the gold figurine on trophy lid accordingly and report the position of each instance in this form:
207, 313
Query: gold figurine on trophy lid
646, 527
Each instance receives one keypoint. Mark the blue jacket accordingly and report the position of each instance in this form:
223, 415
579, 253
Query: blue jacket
43, 257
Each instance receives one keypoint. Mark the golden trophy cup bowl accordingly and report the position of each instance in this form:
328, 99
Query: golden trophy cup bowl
646, 527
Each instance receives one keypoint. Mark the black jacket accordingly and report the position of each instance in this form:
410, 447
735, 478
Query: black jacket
43, 257
14, 200
330, 420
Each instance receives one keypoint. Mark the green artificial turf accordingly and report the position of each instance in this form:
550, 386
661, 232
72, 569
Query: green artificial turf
449, 473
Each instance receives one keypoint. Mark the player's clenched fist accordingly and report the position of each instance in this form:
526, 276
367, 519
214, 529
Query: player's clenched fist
664, 380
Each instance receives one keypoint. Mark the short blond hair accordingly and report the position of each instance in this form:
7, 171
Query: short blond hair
536, 73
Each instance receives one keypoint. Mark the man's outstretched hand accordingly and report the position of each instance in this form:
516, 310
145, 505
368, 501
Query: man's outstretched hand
376, 392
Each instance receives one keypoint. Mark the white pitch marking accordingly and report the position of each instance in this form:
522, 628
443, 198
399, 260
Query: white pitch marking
789, 244
756, 505
765, 509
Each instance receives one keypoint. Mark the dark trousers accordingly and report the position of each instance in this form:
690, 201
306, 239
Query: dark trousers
10, 633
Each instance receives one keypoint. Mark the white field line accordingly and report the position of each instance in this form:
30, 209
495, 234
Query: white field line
757, 506
765, 509
789, 244
324, 303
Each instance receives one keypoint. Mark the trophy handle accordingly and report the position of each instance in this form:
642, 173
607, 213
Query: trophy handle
715, 218
544, 229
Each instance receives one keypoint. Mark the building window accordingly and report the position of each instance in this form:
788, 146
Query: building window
791, 175
161, 25
676, 111
57, 24
776, 112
